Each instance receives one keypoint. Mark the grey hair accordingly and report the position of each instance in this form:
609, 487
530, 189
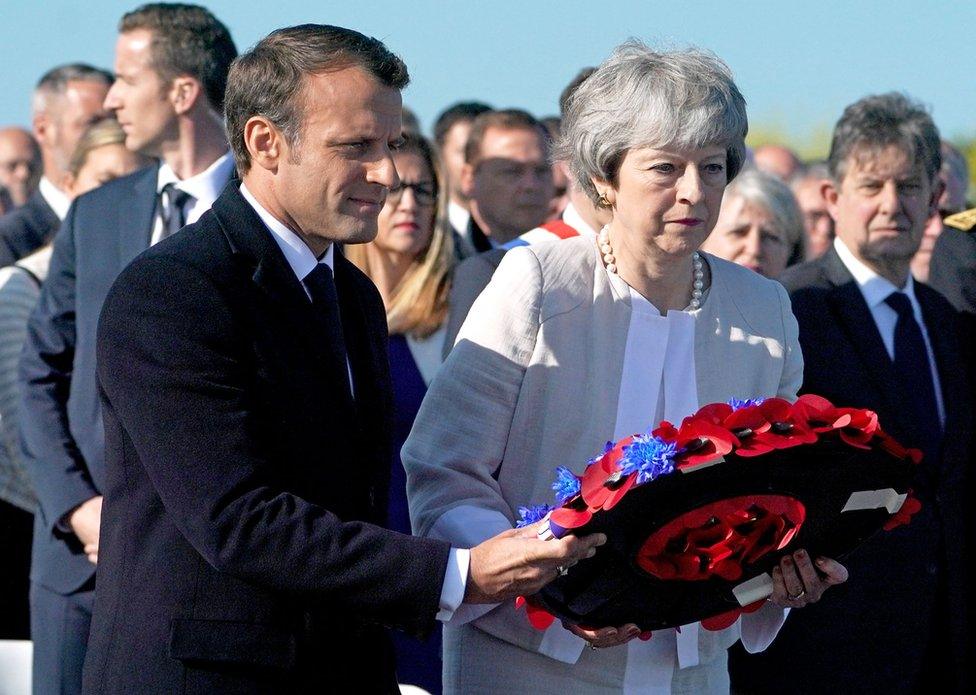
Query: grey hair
811, 171
639, 97
877, 122
765, 191
55, 81
954, 162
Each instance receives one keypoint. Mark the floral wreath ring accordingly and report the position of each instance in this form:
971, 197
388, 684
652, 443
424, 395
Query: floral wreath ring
736, 486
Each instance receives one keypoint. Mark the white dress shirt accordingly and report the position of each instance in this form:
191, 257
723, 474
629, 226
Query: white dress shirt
55, 197
205, 188
302, 261
875, 289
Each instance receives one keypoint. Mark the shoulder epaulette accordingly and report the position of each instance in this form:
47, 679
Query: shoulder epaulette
964, 220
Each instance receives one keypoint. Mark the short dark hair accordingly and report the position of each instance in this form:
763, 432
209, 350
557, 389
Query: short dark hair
186, 40
55, 81
880, 121
268, 79
456, 113
571, 88
509, 119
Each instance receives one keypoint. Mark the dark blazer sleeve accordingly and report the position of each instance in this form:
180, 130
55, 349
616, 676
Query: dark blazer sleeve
58, 470
175, 371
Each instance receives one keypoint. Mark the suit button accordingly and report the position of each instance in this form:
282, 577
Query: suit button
932, 568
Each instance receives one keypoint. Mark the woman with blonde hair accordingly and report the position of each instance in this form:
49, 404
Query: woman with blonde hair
411, 261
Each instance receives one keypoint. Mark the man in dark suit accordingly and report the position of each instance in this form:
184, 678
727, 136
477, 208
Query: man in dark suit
66, 101
872, 337
168, 102
247, 413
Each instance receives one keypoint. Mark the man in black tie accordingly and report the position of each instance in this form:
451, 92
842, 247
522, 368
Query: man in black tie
247, 404
873, 337
171, 66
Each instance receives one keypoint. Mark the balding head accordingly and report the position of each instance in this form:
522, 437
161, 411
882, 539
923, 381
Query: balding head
20, 164
777, 160
67, 100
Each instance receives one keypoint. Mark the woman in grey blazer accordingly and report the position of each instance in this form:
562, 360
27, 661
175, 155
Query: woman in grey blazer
575, 342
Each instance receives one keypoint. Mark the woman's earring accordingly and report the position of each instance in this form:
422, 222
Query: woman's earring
603, 201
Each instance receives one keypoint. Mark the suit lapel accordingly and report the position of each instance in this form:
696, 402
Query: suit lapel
855, 319
252, 243
136, 217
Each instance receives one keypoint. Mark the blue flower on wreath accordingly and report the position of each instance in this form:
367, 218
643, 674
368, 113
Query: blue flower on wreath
532, 514
738, 404
649, 457
566, 486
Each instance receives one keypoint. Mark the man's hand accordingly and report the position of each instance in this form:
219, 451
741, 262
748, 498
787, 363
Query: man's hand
85, 521
516, 563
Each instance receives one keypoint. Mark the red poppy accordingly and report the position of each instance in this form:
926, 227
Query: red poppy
820, 414
698, 441
788, 427
744, 424
889, 444
539, 618
568, 518
903, 516
602, 484
861, 429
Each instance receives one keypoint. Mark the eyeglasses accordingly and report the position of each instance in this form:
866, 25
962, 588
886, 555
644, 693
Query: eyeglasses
424, 192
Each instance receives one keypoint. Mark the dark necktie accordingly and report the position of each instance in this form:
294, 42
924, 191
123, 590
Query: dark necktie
173, 208
913, 368
325, 301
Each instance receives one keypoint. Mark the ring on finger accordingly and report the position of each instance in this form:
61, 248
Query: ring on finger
797, 596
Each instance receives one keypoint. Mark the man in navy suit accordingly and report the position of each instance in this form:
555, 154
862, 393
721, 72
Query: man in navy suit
248, 413
873, 337
171, 65
66, 101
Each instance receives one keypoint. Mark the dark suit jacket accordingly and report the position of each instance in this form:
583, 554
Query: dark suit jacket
871, 634
26, 229
239, 551
61, 423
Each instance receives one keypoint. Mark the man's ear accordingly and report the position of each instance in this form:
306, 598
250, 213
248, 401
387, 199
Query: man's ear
264, 143
185, 93
828, 189
467, 180
41, 124
938, 188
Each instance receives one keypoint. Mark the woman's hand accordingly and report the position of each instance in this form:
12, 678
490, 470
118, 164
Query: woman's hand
797, 582
605, 636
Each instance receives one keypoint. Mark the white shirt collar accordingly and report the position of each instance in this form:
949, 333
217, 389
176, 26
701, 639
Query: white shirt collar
205, 186
55, 197
874, 287
572, 217
458, 217
299, 256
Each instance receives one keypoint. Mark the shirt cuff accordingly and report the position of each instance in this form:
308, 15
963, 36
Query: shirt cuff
455, 580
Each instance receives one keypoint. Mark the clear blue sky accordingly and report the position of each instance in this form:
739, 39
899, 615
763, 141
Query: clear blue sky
798, 63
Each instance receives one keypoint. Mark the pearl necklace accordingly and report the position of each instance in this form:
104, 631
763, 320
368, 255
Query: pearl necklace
697, 288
